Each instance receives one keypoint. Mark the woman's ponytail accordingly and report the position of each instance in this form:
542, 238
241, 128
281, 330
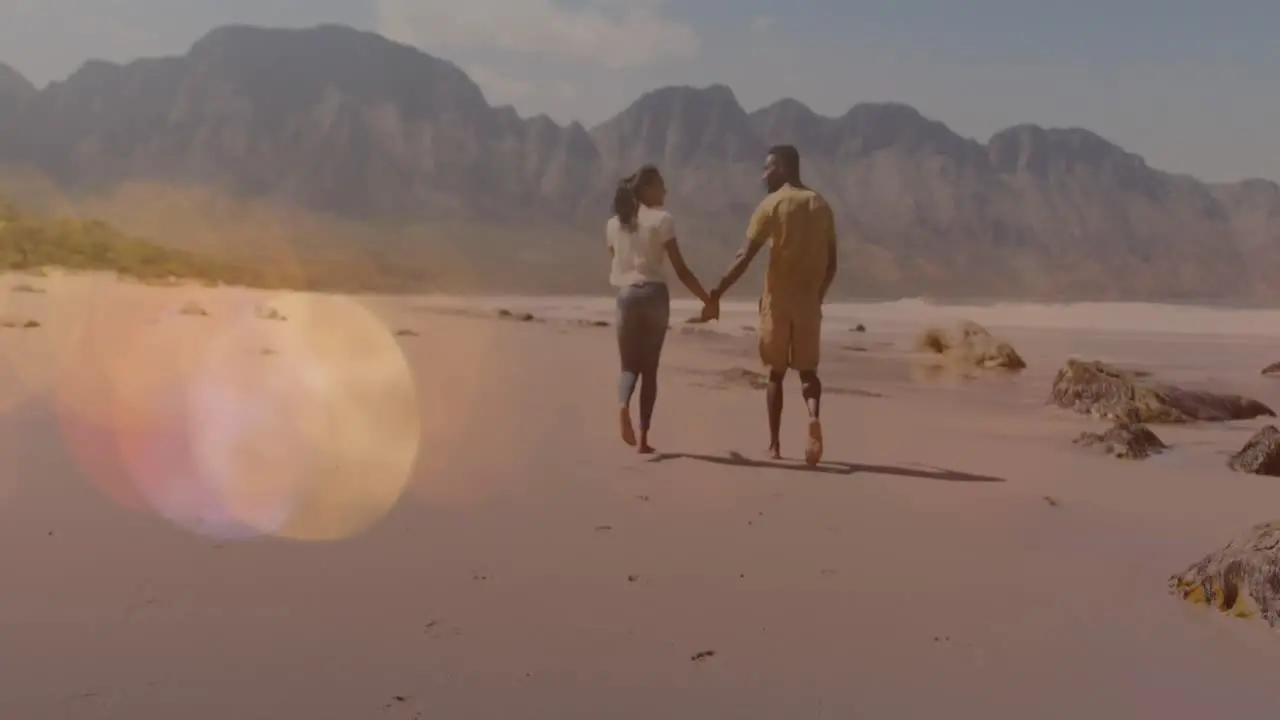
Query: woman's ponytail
625, 204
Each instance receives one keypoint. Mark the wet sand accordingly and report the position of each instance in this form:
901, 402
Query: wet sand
534, 567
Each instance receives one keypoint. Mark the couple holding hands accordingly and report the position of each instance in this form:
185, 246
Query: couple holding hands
799, 227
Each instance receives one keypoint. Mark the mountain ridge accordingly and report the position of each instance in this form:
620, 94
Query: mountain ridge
347, 123
215, 39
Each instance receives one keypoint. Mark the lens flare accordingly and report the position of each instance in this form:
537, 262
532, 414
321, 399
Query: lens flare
86, 394
317, 439
150, 421
235, 422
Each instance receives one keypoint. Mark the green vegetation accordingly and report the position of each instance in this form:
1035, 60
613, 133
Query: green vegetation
31, 242
160, 234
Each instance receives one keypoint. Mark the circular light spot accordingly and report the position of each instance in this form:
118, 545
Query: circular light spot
151, 421
86, 393
317, 439
120, 401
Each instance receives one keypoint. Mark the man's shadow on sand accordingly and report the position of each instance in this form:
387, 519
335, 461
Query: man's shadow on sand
736, 459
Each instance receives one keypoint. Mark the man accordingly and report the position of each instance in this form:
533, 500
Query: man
799, 226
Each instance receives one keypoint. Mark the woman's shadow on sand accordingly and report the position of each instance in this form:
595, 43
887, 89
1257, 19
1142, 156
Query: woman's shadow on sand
737, 459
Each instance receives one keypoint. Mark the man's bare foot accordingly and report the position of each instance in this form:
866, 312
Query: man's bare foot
624, 420
813, 450
775, 451
645, 448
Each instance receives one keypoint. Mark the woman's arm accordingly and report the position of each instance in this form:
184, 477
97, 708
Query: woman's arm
684, 273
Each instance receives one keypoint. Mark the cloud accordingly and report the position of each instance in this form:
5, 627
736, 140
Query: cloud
616, 34
48, 39
502, 88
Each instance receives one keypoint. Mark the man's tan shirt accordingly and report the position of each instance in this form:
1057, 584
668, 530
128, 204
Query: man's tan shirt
800, 228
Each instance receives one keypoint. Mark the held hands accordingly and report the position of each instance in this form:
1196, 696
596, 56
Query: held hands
711, 309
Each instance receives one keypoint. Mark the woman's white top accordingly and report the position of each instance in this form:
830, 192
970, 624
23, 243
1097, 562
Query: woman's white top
640, 255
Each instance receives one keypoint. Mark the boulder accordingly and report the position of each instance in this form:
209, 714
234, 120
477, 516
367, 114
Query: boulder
1127, 441
1272, 370
1241, 579
1259, 456
193, 308
970, 344
1101, 390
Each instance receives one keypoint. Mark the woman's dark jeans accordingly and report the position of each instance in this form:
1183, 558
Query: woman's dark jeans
644, 310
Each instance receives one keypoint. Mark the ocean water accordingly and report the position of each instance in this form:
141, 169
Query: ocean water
913, 314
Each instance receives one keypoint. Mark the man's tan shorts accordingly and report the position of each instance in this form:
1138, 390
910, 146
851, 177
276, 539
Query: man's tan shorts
790, 334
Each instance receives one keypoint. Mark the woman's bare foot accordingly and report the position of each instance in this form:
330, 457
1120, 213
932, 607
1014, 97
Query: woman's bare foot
645, 448
775, 451
624, 420
813, 450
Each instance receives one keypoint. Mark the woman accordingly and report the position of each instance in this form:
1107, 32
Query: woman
641, 237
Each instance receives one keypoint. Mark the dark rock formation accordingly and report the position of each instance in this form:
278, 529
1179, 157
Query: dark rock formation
1272, 370
1127, 441
971, 345
1101, 390
1259, 456
1241, 579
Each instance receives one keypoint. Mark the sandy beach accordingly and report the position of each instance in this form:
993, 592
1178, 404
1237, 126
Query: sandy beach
408, 508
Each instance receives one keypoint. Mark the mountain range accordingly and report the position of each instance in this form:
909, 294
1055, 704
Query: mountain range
398, 155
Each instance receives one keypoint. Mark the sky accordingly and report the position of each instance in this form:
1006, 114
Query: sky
1193, 87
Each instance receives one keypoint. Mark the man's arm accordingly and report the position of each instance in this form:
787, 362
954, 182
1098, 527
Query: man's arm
833, 254
759, 231
741, 261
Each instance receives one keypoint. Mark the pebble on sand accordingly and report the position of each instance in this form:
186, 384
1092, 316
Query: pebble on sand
506, 314
267, 312
194, 309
